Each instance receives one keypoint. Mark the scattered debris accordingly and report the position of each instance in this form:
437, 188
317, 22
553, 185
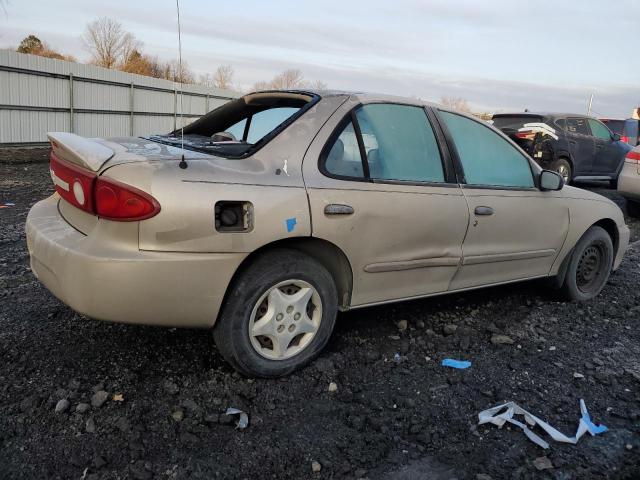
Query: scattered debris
504, 413
402, 325
542, 463
459, 364
315, 467
118, 397
333, 387
578, 375
243, 422
6, 205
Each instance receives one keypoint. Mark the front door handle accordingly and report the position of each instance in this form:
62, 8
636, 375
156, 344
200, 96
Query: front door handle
484, 211
338, 209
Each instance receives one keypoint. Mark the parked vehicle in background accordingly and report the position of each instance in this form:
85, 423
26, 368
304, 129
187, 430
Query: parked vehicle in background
285, 207
629, 129
576, 146
629, 180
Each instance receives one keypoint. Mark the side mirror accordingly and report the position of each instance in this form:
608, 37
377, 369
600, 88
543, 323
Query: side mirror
551, 181
615, 137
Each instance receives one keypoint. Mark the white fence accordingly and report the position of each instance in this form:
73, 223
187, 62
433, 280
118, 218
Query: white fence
40, 95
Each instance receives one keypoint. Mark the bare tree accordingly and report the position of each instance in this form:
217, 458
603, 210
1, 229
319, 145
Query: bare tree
222, 78
292, 78
456, 103
318, 85
108, 43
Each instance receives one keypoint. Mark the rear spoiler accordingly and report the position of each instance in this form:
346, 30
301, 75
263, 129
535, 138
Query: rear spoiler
80, 151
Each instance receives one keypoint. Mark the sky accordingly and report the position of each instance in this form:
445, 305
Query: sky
499, 55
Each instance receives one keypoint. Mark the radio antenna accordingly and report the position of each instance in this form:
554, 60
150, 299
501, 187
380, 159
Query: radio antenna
183, 163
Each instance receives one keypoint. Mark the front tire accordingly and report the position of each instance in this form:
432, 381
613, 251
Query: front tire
590, 265
278, 315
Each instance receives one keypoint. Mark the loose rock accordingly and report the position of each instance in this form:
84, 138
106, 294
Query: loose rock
62, 406
542, 463
315, 466
98, 398
498, 339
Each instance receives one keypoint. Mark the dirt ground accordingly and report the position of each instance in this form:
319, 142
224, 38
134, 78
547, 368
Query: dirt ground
396, 413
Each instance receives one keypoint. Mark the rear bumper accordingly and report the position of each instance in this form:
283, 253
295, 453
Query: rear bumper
115, 281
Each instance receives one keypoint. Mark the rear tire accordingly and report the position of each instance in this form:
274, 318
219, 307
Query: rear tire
590, 265
563, 167
278, 315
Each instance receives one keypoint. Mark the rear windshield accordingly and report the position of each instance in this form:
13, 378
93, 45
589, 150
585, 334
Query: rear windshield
242, 126
514, 121
616, 126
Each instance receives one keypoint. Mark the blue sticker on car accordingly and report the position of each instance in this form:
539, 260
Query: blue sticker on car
291, 224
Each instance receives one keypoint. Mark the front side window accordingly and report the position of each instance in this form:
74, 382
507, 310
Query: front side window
599, 130
486, 157
398, 142
578, 125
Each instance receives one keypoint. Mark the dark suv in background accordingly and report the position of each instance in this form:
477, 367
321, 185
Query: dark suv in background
576, 146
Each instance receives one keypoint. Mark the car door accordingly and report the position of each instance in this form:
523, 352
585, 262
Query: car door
516, 231
581, 145
381, 189
609, 155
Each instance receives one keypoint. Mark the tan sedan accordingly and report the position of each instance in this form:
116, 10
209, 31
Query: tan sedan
629, 179
278, 209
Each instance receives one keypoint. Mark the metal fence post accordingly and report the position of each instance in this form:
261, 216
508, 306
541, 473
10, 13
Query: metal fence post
131, 105
71, 121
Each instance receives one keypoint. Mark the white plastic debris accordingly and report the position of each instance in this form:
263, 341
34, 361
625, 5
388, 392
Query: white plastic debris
539, 127
504, 413
243, 421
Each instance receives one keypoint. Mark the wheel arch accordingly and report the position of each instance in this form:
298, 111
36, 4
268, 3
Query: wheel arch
609, 226
323, 251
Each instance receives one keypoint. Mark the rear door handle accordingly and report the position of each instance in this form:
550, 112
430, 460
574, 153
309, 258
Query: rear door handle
483, 211
338, 209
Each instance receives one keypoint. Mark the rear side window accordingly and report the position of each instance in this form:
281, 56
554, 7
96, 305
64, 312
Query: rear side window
344, 158
486, 157
399, 143
578, 125
599, 130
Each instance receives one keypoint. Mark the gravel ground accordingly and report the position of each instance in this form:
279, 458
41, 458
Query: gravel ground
85, 399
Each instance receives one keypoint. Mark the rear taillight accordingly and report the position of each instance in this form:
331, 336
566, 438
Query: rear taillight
624, 139
101, 196
633, 156
72, 183
121, 202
